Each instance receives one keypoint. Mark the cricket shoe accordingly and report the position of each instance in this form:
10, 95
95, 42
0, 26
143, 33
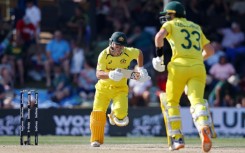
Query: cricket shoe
177, 144
110, 116
95, 144
205, 136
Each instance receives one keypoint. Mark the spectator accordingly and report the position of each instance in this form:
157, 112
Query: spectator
232, 37
222, 70
6, 85
229, 101
142, 40
222, 89
102, 11
77, 24
194, 11
38, 62
222, 95
233, 41
57, 52
26, 38
218, 52
5, 28
7, 94
241, 85
34, 14
6, 73
238, 7
144, 14
77, 59
86, 82
60, 87
14, 55
242, 103
119, 25
118, 15
2, 93
239, 59
218, 7
25, 33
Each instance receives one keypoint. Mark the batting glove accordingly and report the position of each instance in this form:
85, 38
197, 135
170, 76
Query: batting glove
158, 65
115, 75
144, 76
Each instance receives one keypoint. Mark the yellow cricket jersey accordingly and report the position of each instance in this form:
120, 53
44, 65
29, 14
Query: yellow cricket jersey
186, 40
107, 62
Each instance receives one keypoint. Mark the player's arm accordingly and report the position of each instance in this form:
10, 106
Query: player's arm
157, 62
159, 41
208, 50
113, 75
101, 67
144, 76
102, 74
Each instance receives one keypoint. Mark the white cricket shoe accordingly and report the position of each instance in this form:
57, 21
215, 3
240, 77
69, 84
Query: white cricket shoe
95, 144
177, 144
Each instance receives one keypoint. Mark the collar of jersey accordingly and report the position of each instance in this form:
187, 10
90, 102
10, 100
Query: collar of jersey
108, 51
179, 19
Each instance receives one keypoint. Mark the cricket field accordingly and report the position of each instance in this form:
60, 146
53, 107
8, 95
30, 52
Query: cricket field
80, 144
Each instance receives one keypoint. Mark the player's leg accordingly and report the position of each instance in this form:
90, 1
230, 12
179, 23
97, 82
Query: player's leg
199, 107
97, 125
170, 106
98, 117
119, 108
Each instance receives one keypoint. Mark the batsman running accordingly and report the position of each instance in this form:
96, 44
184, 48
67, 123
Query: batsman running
190, 48
112, 85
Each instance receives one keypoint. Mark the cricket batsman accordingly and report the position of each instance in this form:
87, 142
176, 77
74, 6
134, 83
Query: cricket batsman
112, 85
190, 48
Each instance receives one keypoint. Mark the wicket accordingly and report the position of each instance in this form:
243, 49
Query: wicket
29, 93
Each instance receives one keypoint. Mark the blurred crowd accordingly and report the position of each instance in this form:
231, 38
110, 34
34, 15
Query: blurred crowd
55, 47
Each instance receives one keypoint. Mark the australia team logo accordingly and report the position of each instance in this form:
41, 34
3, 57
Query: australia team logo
121, 39
123, 61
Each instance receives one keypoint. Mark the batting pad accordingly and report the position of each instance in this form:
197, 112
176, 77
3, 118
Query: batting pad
97, 126
172, 121
202, 117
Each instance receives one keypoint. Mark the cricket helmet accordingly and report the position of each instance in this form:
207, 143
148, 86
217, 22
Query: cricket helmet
118, 38
174, 7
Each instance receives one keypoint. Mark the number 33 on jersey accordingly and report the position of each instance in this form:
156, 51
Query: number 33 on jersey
190, 40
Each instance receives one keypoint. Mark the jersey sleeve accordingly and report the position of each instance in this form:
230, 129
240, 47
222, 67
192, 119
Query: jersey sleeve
101, 65
134, 52
167, 26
